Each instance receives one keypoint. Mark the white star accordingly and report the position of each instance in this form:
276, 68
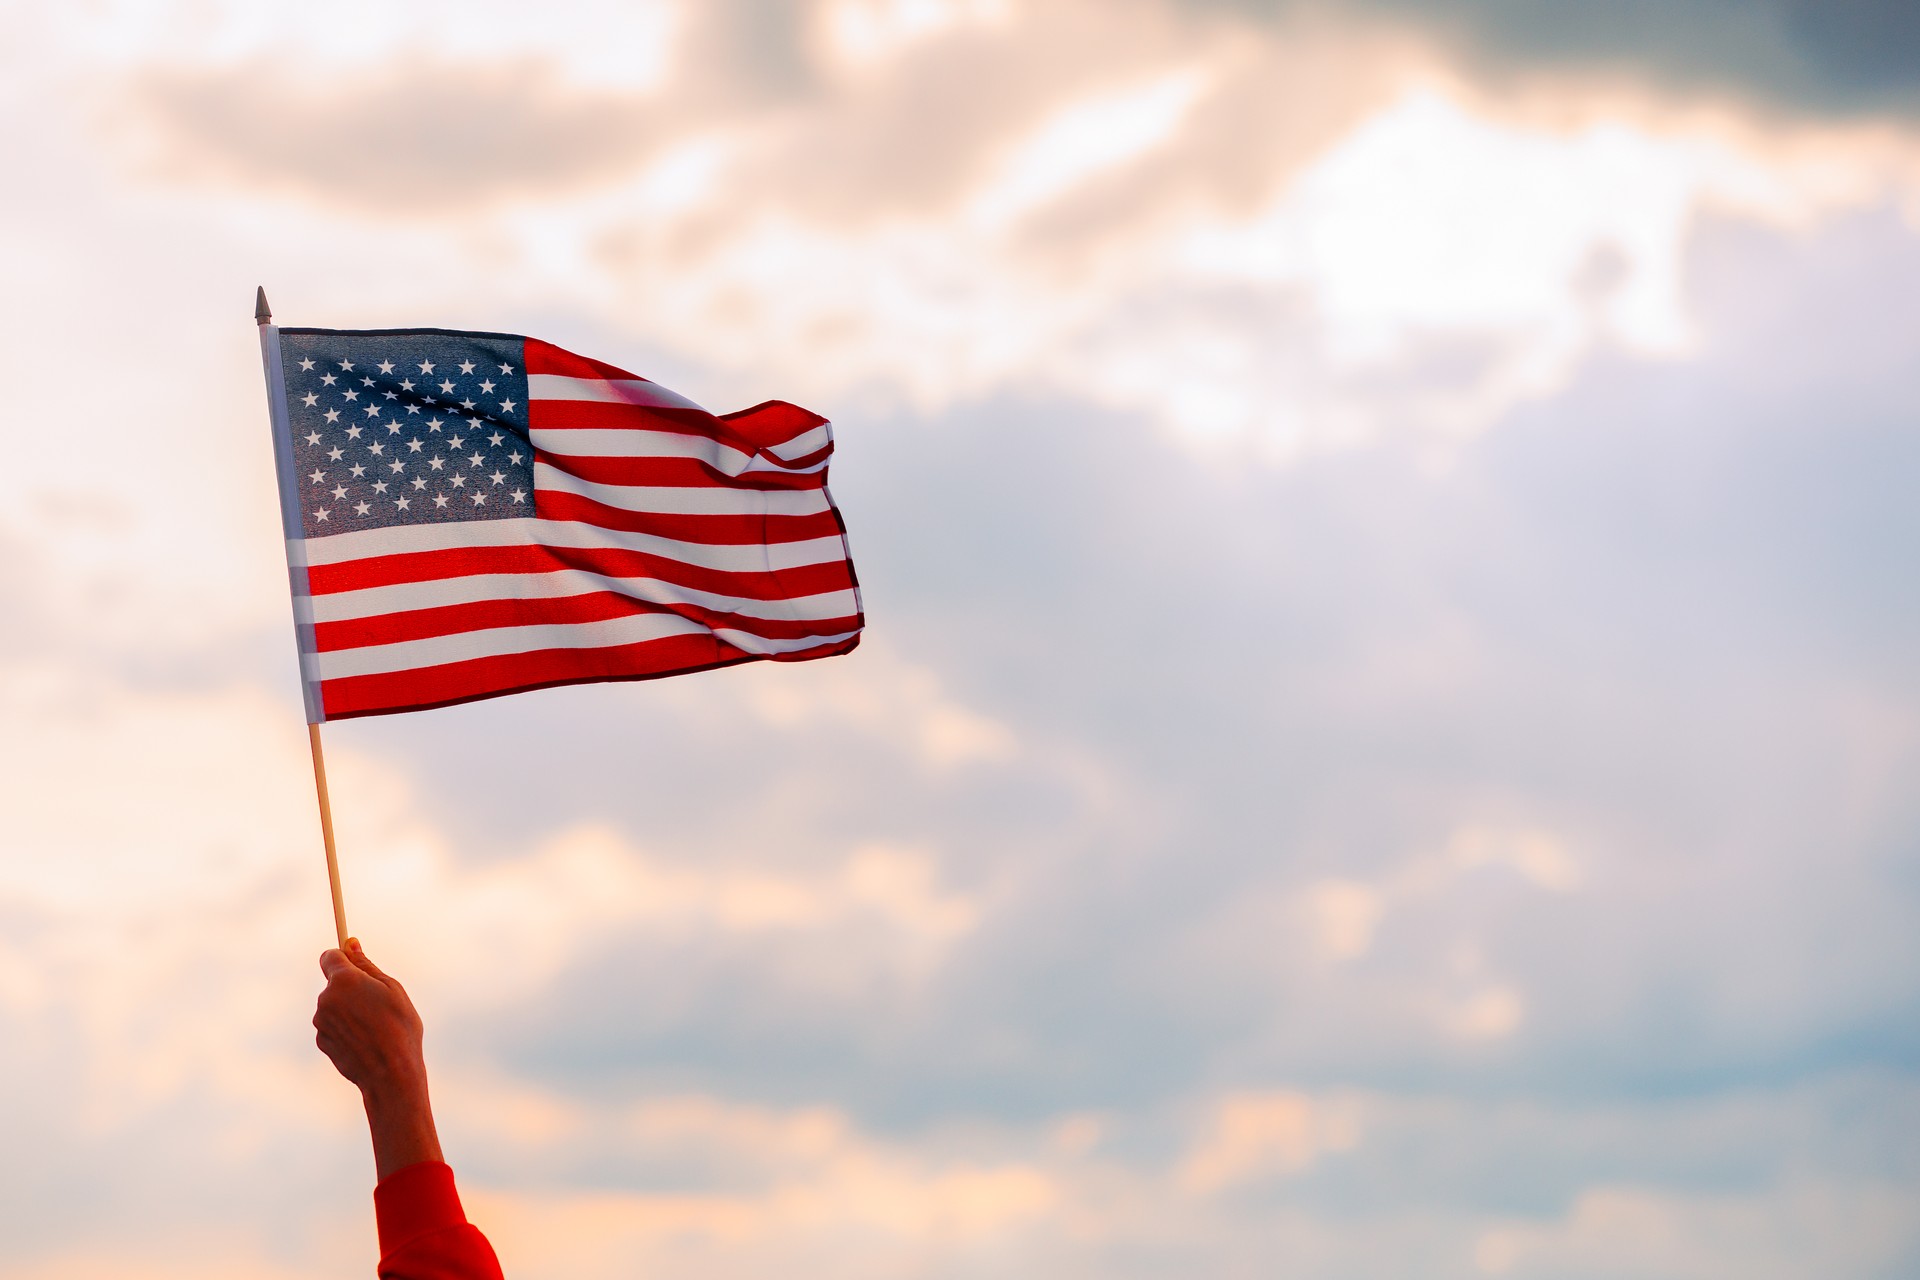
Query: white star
459, 482
479, 499
306, 364
321, 514
498, 477
495, 439
318, 476
393, 428
396, 466
333, 415
413, 446
353, 395
476, 459
439, 499
347, 365
334, 454
379, 486
487, 385
458, 441
419, 482
506, 406
366, 382
359, 469
426, 366
514, 457
326, 379
391, 395
313, 437
386, 366
339, 491
506, 368
310, 400
376, 449
519, 495
447, 387
360, 508
406, 384
467, 404
473, 422
353, 433
413, 408
466, 366
403, 503
436, 463
433, 424
373, 411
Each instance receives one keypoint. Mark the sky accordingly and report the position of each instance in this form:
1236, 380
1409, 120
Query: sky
1383, 744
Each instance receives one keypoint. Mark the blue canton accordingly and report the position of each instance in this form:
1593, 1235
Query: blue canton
406, 426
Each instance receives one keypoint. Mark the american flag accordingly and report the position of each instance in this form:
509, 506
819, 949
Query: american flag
472, 514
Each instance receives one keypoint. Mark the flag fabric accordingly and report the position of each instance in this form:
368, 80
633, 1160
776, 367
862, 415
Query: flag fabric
473, 514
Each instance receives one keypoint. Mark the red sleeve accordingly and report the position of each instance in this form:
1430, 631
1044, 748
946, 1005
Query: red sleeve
424, 1234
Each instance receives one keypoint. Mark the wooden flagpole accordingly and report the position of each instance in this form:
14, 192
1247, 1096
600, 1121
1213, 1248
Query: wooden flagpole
326, 834
296, 572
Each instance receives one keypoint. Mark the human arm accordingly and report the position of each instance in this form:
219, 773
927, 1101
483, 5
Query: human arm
367, 1026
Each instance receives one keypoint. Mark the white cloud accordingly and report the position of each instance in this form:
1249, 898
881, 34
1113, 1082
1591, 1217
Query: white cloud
1081, 141
1266, 1134
863, 32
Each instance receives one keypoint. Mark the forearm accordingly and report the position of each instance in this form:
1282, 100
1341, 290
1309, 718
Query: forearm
400, 1119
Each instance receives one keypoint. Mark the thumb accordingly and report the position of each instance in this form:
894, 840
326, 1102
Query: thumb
359, 959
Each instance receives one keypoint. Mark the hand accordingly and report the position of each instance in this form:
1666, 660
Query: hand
368, 1026
370, 1031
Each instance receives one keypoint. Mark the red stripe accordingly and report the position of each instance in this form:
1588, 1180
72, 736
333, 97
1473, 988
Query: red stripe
773, 422
598, 415
748, 436
741, 530
597, 606
476, 678
461, 562
806, 460
675, 473
544, 357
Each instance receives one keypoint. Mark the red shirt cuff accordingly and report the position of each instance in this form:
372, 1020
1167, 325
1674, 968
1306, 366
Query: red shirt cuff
414, 1201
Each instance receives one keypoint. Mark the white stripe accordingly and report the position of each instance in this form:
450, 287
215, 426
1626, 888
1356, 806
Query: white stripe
805, 443
725, 458
685, 501
760, 644
408, 655
341, 548
405, 655
552, 386
371, 602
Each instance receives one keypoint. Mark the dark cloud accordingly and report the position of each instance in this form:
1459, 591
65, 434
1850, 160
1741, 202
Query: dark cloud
1821, 56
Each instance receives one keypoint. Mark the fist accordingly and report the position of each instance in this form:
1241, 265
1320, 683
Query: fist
368, 1027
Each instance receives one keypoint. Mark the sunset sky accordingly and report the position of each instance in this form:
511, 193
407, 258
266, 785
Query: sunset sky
1385, 745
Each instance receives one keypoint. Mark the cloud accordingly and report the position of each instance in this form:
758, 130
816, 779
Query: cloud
1627, 1231
1255, 1134
1793, 56
1152, 210
1409, 860
426, 138
1800, 55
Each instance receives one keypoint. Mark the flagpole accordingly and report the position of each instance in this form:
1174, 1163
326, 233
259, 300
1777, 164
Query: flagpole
297, 575
326, 834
